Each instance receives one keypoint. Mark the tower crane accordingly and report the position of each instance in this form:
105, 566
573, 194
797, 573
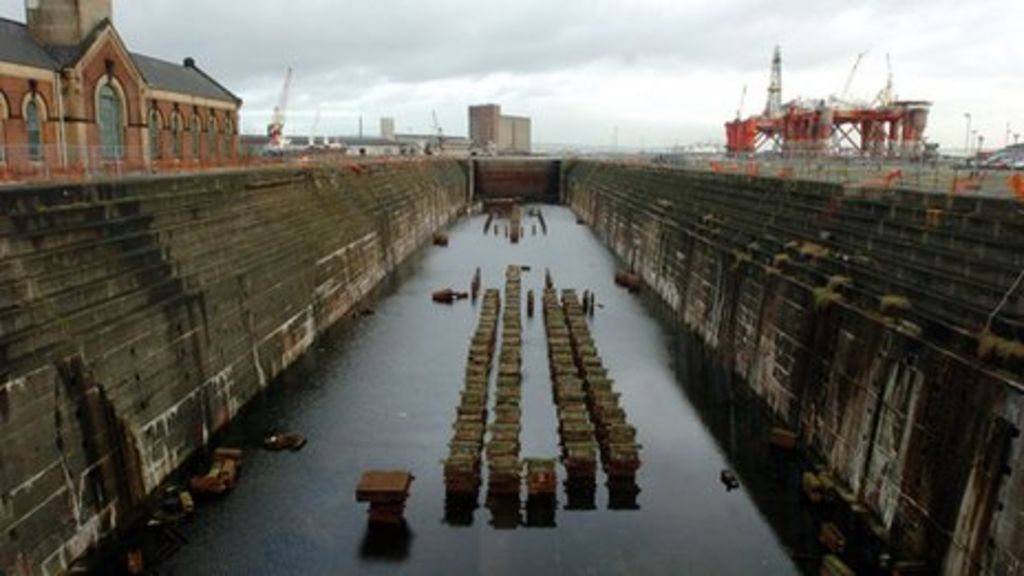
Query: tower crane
743, 98
275, 130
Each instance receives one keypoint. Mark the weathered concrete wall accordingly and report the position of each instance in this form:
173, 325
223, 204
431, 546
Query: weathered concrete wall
902, 401
136, 319
518, 179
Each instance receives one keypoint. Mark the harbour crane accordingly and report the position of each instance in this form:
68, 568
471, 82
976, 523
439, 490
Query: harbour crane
743, 98
844, 97
275, 130
437, 140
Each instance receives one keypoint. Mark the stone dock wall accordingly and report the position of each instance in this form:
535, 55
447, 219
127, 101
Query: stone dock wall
861, 319
137, 318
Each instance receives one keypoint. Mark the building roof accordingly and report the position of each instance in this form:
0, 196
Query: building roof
18, 47
182, 79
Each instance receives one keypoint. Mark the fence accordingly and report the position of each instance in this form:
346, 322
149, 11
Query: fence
941, 178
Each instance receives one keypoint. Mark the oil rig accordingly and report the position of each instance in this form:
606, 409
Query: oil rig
835, 126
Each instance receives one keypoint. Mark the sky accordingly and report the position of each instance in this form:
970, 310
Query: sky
639, 73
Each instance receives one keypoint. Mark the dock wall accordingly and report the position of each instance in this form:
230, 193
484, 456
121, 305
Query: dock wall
858, 317
137, 318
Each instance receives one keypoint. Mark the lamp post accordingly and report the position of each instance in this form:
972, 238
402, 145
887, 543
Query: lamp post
967, 134
974, 137
981, 142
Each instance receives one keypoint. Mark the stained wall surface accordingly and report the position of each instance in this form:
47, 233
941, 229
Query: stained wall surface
858, 317
138, 318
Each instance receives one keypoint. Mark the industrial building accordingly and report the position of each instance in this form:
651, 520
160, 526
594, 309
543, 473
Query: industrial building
835, 126
73, 97
491, 132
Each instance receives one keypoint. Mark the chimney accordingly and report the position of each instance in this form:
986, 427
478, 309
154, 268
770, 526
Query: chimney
65, 22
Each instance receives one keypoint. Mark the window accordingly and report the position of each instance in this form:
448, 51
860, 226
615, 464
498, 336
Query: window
155, 128
176, 135
229, 128
34, 126
212, 149
196, 138
111, 122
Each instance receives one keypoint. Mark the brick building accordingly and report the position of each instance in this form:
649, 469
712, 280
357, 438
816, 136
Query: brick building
74, 98
490, 131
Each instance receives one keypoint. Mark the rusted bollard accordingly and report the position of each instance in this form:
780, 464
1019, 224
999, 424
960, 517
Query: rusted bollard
529, 304
592, 305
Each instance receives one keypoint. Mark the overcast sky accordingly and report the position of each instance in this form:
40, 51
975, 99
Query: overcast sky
662, 72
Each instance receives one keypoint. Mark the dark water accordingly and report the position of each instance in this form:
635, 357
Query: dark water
382, 391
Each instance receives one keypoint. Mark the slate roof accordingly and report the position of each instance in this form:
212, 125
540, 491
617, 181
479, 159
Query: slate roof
190, 80
18, 47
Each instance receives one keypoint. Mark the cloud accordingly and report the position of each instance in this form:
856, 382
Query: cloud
661, 71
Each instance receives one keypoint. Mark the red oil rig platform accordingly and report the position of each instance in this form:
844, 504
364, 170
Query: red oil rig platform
836, 126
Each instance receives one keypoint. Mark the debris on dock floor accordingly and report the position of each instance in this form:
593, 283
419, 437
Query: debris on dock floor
387, 492
629, 281
222, 475
448, 296
284, 441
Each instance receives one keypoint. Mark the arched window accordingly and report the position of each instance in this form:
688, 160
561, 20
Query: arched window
196, 137
211, 137
176, 135
155, 129
111, 123
34, 127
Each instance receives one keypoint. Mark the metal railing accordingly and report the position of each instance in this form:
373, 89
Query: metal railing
934, 177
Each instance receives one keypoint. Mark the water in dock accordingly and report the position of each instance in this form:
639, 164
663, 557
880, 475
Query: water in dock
381, 391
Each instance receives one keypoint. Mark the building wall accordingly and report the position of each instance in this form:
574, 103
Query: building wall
141, 316
514, 135
484, 125
106, 61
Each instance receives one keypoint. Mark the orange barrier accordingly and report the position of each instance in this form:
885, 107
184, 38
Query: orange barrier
1017, 185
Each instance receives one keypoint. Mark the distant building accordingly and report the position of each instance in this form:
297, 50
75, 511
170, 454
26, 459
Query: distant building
387, 128
490, 131
420, 144
514, 135
72, 96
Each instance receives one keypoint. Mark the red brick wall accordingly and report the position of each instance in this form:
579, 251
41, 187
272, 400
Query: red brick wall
93, 72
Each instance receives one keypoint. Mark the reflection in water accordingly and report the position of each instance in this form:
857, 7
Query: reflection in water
541, 511
623, 494
387, 543
580, 495
460, 510
505, 511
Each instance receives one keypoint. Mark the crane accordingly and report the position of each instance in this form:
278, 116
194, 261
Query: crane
885, 97
438, 135
743, 98
275, 130
849, 79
